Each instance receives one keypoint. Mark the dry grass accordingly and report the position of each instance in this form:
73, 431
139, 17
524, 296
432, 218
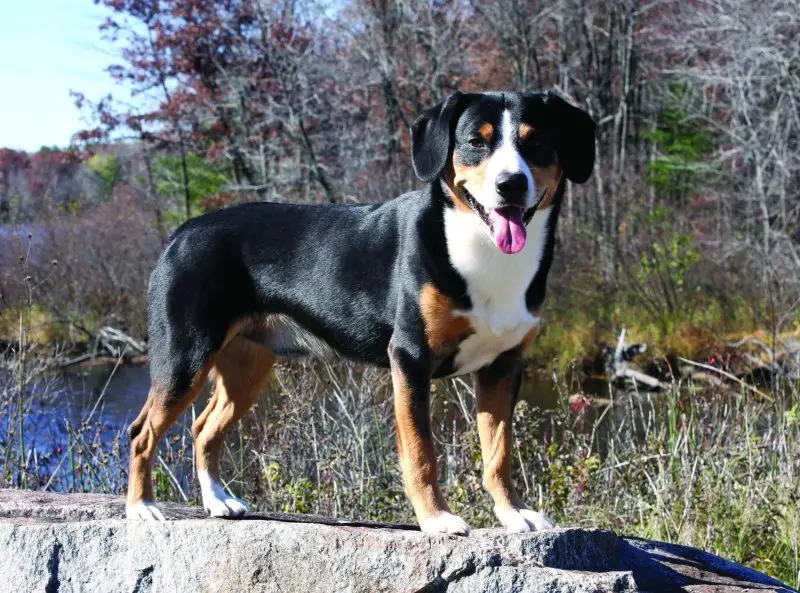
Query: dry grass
714, 468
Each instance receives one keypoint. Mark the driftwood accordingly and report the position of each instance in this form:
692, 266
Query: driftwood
78, 360
110, 342
116, 342
714, 369
621, 364
639, 377
783, 358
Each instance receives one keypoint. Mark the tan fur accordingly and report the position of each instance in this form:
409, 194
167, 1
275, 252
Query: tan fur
463, 174
495, 409
546, 176
486, 131
525, 130
455, 194
458, 175
495, 405
239, 369
160, 412
444, 330
417, 455
240, 374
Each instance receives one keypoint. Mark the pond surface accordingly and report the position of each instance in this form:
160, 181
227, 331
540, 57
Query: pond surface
101, 396
86, 411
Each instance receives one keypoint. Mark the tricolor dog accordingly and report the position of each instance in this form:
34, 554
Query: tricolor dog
439, 282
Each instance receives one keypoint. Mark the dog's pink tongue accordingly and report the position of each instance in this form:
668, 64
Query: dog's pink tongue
508, 229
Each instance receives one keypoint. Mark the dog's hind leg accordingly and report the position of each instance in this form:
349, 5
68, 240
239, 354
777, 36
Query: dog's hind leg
240, 371
163, 407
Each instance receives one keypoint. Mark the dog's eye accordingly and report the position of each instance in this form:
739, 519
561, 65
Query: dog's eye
476, 142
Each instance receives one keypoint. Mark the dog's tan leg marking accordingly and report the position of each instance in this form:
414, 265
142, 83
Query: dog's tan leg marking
159, 413
418, 458
200, 421
495, 389
240, 374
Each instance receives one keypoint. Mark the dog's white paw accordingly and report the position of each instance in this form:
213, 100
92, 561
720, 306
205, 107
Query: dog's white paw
523, 520
230, 507
216, 501
445, 523
144, 511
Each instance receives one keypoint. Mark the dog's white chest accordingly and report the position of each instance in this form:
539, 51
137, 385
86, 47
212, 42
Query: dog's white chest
496, 283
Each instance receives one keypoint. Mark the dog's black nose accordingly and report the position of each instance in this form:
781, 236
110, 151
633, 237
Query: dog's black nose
512, 185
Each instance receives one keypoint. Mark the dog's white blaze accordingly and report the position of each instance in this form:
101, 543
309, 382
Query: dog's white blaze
496, 284
216, 501
505, 159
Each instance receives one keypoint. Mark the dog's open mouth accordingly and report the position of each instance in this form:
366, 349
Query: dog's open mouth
507, 225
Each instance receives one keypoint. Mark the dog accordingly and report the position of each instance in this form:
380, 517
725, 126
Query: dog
439, 282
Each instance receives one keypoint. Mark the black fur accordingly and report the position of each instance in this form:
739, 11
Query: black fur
432, 134
573, 132
349, 275
534, 297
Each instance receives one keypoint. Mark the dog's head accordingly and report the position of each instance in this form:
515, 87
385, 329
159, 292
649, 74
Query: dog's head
502, 155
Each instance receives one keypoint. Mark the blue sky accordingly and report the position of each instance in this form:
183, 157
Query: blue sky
48, 47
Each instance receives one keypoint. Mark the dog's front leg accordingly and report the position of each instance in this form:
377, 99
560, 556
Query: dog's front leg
497, 386
411, 383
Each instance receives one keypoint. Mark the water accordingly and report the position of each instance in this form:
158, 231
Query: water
82, 413
118, 396
88, 409
107, 401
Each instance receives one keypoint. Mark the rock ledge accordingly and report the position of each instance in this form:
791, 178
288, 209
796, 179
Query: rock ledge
64, 543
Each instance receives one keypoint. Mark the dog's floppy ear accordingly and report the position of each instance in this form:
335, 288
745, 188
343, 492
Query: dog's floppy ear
431, 135
573, 135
